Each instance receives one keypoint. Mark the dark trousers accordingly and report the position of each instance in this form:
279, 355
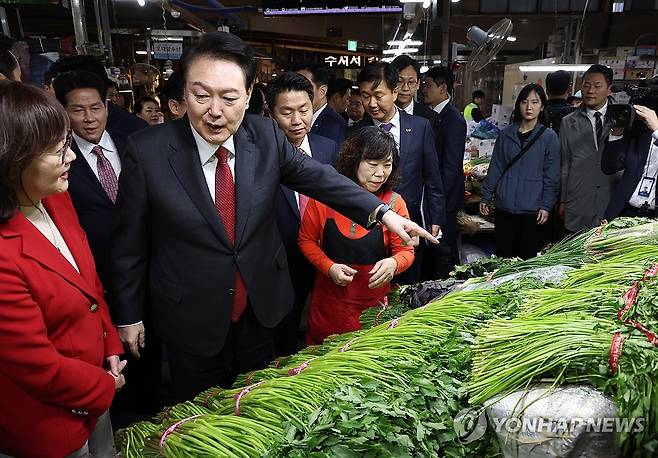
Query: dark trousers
286, 334
414, 273
440, 260
249, 346
518, 235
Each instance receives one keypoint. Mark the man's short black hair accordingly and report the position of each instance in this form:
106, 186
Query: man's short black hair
174, 87
339, 86
222, 46
377, 72
557, 83
404, 61
287, 82
82, 79
111, 83
441, 75
478, 94
319, 72
603, 70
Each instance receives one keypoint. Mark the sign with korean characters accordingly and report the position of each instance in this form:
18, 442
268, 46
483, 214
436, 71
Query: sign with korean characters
167, 50
348, 61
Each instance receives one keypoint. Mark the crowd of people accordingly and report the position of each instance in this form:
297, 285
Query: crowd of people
207, 230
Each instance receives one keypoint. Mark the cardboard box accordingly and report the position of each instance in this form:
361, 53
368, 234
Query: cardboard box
638, 62
613, 62
645, 50
618, 73
606, 51
638, 74
624, 51
485, 147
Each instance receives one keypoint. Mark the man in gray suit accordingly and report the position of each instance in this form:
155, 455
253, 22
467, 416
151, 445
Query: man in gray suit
585, 191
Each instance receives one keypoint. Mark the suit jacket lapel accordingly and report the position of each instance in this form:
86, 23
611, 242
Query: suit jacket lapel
39, 248
185, 163
81, 169
245, 167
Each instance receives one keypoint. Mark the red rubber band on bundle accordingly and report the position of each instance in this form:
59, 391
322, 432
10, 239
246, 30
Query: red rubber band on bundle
599, 231
249, 377
347, 345
242, 393
615, 351
653, 338
301, 367
171, 430
630, 297
650, 273
277, 363
393, 324
384, 305
211, 395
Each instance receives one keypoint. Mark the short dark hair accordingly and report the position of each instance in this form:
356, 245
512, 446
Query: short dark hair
222, 46
523, 95
603, 70
32, 122
369, 143
111, 83
8, 61
139, 105
339, 86
75, 63
478, 94
257, 99
81, 79
441, 75
558, 82
319, 72
287, 82
174, 88
377, 72
404, 61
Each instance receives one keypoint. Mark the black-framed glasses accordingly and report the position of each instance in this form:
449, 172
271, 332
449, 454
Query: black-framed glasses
67, 144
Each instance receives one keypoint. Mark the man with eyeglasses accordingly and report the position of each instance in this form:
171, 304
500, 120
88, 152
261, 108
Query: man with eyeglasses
408, 85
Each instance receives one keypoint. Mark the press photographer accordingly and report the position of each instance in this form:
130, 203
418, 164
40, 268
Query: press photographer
634, 151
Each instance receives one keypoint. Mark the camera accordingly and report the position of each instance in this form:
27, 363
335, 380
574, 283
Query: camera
643, 92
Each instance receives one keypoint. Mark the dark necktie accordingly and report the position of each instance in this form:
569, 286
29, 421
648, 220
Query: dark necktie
225, 205
106, 174
599, 126
387, 126
303, 200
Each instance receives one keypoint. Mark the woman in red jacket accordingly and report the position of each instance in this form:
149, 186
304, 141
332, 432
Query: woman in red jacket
354, 266
59, 363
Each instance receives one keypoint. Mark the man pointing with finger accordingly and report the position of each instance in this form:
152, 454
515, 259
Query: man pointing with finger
196, 232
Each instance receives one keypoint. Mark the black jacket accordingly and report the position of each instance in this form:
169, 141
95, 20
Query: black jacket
450, 143
330, 125
554, 111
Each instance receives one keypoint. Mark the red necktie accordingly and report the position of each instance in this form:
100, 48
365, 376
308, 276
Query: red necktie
303, 200
106, 174
225, 204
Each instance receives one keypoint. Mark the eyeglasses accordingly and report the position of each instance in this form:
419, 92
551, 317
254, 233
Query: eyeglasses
409, 83
67, 144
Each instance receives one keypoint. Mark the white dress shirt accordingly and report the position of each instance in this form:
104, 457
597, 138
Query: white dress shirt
109, 151
410, 108
317, 113
592, 119
395, 130
209, 160
439, 108
306, 147
650, 170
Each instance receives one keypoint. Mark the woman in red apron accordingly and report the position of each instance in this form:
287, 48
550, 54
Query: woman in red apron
354, 266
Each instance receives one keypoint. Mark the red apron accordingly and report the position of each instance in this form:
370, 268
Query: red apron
336, 309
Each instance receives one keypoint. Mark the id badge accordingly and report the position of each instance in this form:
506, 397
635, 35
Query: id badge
646, 186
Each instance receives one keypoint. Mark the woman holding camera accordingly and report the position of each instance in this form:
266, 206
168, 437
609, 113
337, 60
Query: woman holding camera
523, 178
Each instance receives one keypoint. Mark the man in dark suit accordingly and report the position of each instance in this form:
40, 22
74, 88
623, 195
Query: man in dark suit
196, 223
636, 153
338, 95
408, 85
290, 100
93, 185
326, 121
419, 164
450, 142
